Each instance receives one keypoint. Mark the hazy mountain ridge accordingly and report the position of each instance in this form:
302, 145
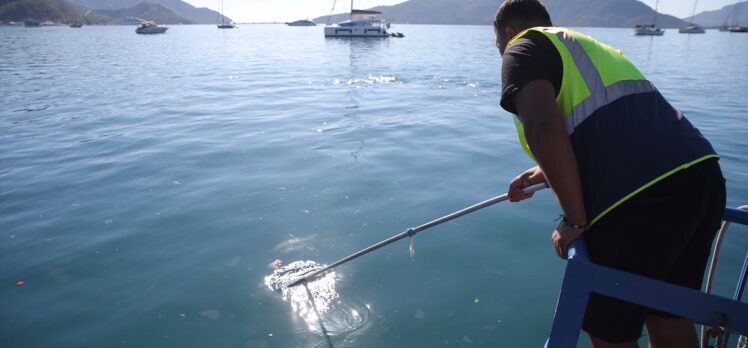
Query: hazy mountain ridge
574, 13
55, 10
106, 11
723, 16
148, 11
200, 15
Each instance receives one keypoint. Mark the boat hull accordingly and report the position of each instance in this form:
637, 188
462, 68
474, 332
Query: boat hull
302, 23
691, 30
648, 32
334, 31
151, 30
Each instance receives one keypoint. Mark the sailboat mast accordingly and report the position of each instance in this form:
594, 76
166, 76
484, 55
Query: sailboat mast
351, 16
222, 17
693, 12
736, 14
657, 5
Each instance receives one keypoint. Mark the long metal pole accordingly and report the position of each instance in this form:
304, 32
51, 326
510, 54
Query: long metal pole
412, 232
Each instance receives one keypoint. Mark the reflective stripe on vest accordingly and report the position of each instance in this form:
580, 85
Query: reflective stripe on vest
589, 82
594, 77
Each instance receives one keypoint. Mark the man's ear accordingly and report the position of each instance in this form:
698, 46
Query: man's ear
510, 32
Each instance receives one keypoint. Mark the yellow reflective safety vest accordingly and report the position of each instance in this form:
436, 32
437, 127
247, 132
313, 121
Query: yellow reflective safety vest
625, 135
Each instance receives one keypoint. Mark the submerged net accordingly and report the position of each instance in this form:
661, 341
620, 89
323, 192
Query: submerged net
317, 301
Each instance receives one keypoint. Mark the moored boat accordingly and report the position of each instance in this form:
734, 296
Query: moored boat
150, 27
736, 26
360, 23
692, 29
301, 23
224, 24
648, 30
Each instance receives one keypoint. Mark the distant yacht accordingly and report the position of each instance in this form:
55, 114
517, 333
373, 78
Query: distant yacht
650, 29
224, 24
76, 25
150, 27
360, 23
30, 23
302, 23
692, 28
229, 25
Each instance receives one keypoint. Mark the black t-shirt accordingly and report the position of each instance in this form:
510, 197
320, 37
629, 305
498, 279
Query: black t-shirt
530, 58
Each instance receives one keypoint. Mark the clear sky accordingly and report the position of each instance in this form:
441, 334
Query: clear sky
290, 10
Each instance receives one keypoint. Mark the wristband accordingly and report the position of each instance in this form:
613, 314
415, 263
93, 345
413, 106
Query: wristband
574, 226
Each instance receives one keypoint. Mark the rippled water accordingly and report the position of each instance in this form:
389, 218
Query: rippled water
146, 182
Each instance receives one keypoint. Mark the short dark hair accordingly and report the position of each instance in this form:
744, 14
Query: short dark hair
523, 11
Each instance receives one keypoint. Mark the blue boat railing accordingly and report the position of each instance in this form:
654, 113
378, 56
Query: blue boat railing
583, 277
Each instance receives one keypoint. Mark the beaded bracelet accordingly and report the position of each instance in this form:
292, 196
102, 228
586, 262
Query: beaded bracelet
574, 226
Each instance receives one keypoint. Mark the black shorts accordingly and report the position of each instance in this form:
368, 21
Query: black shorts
664, 232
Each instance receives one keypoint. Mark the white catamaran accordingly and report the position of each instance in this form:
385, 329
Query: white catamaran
361, 23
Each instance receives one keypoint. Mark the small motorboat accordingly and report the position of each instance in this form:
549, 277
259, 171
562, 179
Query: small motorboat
150, 27
76, 25
301, 23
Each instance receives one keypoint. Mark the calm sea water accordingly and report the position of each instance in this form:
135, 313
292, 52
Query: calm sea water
146, 182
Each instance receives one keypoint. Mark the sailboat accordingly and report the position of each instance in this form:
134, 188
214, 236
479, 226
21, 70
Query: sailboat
649, 29
736, 27
224, 24
83, 19
692, 28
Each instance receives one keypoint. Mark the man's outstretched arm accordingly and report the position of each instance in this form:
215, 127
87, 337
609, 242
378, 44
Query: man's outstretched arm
546, 135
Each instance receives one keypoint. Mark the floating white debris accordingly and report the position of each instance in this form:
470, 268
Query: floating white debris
211, 314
